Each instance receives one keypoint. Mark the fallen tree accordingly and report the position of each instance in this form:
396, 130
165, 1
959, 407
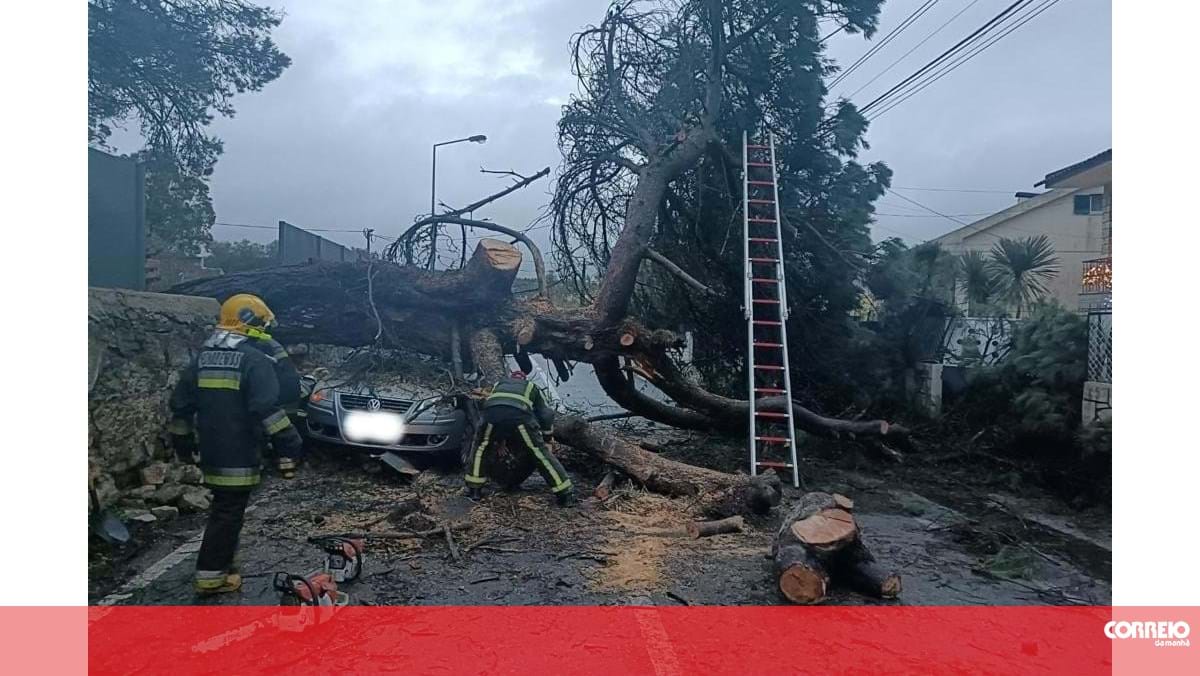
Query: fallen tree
626, 150
428, 311
819, 542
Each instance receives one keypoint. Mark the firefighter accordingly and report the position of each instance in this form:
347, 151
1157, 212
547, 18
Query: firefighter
231, 390
516, 412
290, 392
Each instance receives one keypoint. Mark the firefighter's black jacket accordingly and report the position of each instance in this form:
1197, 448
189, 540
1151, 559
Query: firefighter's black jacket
285, 371
516, 400
231, 390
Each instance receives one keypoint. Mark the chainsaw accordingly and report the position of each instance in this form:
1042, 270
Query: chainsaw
343, 556
317, 589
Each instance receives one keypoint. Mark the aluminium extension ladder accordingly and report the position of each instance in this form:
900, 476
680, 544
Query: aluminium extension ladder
772, 435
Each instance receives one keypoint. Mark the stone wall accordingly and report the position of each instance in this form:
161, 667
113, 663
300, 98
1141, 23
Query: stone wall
137, 344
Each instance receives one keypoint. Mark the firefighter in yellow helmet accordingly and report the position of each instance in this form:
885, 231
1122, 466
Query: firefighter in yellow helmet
231, 392
248, 315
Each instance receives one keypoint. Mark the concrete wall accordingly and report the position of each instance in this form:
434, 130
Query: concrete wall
137, 344
1075, 237
116, 221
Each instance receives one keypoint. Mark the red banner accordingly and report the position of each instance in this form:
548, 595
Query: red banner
607, 640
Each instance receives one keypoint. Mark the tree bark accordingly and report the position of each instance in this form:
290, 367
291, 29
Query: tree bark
703, 529
716, 494
327, 302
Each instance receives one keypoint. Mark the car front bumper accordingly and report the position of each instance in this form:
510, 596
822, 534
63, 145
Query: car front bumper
445, 433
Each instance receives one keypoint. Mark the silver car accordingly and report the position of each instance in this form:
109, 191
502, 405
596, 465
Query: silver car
388, 420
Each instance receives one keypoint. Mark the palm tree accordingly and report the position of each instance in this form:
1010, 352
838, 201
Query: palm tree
972, 265
1020, 269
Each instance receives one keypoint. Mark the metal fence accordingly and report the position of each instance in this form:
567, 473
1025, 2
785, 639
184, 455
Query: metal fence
977, 341
297, 245
1100, 352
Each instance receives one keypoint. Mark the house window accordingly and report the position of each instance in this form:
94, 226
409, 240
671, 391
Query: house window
1089, 204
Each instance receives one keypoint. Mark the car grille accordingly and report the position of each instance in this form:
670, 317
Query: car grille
358, 402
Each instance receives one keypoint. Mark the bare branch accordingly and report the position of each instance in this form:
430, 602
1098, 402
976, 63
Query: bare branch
492, 198
678, 272
539, 264
510, 172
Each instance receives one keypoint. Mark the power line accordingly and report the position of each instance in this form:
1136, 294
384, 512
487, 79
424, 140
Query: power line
980, 190
964, 223
941, 58
929, 209
948, 68
893, 34
275, 227
915, 47
245, 225
979, 213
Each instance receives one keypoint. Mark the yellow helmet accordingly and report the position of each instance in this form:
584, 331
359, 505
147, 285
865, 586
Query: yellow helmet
246, 314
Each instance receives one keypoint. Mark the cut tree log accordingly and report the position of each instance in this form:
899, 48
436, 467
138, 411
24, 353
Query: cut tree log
703, 529
819, 542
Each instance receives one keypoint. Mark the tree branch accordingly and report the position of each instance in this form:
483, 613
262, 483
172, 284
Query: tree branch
678, 272
539, 264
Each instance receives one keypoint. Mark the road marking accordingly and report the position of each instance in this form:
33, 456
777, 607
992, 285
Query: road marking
158, 568
658, 642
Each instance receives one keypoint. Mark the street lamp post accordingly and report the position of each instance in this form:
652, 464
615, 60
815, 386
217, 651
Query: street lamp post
478, 138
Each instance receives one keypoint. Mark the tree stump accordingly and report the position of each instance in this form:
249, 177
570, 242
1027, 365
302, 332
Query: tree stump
819, 543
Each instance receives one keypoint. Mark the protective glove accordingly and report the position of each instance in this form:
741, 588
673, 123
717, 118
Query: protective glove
185, 447
547, 437
290, 448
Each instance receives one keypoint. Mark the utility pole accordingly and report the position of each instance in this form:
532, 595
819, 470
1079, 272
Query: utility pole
367, 232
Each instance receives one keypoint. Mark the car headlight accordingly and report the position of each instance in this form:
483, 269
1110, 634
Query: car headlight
322, 397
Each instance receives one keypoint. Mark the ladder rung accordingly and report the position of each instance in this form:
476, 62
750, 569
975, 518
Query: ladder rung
768, 367
764, 280
764, 260
758, 164
764, 240
757, 201
760, 182
769, 390
768, 301
770, 414
761, 220
764, 321
760, 344
783, 440
756, 147
768, 463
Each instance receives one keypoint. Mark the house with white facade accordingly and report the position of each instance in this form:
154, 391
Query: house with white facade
1075, 213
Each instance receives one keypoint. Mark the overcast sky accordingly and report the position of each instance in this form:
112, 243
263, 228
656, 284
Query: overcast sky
342, 139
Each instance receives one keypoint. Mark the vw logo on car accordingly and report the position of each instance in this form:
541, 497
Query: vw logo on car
374, 404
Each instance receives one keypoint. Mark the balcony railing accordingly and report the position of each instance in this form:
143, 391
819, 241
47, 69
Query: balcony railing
1097, 276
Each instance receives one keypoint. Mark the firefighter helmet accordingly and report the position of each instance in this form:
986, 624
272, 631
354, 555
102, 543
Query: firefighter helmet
245, 314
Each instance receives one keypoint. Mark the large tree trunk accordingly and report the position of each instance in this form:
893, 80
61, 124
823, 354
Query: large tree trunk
327, 302
715, 494
819, 542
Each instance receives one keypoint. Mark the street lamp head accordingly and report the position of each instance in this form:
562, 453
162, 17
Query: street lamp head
478, 138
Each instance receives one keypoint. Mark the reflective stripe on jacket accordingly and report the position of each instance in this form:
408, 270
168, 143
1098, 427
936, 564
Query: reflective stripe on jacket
523, 395
232, 393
